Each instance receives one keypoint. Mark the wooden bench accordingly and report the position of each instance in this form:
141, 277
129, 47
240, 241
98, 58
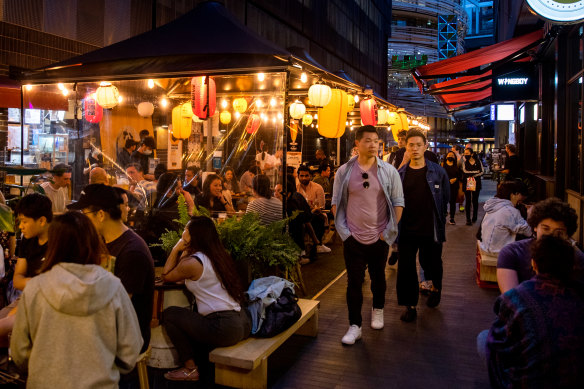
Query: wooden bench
486, 269
245, 365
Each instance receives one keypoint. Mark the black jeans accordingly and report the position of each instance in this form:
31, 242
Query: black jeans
453, 195
193, 334
318, 222
472, 197
430, 256
359, 256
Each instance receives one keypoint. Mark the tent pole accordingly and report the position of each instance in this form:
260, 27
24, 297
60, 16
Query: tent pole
285, 147
21, 131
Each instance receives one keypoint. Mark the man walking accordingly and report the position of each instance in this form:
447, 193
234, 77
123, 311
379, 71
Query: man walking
426, 192
367, 203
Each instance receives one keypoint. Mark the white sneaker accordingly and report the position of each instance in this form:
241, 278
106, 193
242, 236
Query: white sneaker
322, 249
353, 335
377, 318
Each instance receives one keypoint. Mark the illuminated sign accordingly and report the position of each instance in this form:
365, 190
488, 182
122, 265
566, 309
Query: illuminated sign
515, 82
506, 112
493, 112
559, 11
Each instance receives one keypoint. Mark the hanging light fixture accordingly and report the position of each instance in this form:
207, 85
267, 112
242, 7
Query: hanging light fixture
307, 119
93, 112
225, 117
297, 110
203, 96
107, 95
319, 94
382, 116
182, 120
333, 116
240, 105
145, 109
253, 123
368, 108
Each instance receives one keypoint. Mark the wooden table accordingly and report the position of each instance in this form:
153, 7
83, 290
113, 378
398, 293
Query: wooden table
160, 287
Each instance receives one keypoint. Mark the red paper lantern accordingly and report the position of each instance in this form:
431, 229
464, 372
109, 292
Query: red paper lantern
253, 123
368, 110
93, 112
203, 96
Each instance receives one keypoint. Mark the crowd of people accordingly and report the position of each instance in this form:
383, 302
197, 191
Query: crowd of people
81, 269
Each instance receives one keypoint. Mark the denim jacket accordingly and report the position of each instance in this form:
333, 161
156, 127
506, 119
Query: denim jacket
392, 188
440, 188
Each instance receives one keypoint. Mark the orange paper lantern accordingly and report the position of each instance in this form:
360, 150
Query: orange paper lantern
333, 116
368, 110
203, 96
182, 121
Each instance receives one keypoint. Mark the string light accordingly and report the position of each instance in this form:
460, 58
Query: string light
224, 103
164, 102
303, 78
150, 83
273, 102
261, 76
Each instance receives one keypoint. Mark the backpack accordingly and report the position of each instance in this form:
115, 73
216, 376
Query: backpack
280, 315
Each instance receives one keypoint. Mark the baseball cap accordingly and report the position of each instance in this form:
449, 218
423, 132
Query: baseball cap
97, 195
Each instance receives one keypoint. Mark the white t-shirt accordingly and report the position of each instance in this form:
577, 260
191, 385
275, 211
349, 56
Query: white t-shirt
58, 197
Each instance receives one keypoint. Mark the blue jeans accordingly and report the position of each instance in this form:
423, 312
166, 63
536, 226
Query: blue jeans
482, 345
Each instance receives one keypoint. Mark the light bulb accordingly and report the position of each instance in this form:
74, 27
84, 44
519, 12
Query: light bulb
259, 103
303, 77
120, 99
224, 103
273, 102
28, 87
164, 102
60, 86
261, 76
356, 98
150, 83
237, 114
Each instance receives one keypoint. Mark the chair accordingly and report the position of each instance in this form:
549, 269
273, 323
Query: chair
141, 367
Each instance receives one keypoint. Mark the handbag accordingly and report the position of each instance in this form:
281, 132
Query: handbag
471, 184
280, 315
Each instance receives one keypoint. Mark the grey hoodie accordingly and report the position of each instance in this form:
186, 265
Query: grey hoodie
75, 328
501, 224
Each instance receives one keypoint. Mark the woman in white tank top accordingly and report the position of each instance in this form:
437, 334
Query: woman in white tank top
209, 273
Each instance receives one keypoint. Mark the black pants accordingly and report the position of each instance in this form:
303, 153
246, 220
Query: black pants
318, 222
453, 196
430, 256
193, 334
359, 256
472, 197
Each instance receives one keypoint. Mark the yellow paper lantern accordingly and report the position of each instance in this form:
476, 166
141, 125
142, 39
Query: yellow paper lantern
401, 122
182, 120
297, 110
319, 95
351, 102
382, 116
307, 119
333, 116
392, 118
240, 105
107, 95
225, 117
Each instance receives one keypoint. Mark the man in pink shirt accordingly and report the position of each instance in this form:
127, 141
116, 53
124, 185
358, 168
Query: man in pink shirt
314, 195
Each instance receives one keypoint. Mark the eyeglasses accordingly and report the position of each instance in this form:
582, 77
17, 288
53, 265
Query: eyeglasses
87, 213
365, 176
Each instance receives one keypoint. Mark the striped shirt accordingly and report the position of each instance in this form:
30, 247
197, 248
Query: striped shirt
270, 210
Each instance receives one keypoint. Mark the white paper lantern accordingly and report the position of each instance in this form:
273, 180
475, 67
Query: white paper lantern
107, 95
319, 95
382, 116
297, 110
145, 109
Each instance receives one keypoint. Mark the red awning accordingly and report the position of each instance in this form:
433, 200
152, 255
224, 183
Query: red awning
33, 99
487, 55
471, 73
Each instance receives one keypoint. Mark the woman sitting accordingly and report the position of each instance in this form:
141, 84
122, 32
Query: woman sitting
75, 325
267, 206
230, 183
502, 220
209, 273
212, 197
538, 336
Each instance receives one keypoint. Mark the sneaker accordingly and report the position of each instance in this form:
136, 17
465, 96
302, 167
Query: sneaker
409, 314
425, 287
452, 222
322, 249
377, 318
304, 261
434, 298
461, 208
352, 335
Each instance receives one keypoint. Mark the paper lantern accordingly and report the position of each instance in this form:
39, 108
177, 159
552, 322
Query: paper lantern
392, 118
368, 110
240, 105
107, 95
297, 110
181, 121
93, 111
196, 119
203, 96
400, 122
351, 102
382, 116
307, 119
319, 95
333, 116
225, 117
253, 123
145, 109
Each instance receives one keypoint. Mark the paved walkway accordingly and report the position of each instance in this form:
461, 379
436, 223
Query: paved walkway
436, 351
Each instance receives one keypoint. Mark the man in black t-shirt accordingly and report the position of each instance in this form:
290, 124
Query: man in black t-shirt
512, 168
133, 262
143, 154
422, 229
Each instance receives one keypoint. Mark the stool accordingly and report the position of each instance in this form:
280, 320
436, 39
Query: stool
486, 268
142, 370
